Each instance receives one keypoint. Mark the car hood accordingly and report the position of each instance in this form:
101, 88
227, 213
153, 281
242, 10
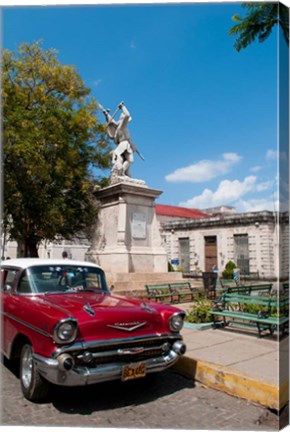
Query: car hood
103, 316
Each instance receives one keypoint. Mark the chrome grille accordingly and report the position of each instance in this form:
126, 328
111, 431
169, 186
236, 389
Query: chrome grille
125, 352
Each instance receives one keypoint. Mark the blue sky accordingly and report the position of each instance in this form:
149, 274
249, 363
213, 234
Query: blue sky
203, 115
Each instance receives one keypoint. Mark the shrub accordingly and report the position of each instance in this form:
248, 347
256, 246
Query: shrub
228, 272
200, 312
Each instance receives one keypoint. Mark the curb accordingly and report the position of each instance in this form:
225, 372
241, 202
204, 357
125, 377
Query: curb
234, 383
201, 326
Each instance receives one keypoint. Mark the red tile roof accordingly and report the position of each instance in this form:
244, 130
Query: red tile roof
179, 212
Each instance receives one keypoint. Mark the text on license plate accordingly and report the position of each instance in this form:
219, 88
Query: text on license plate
133, 371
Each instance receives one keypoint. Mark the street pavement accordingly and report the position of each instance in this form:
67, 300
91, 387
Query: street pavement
164, 400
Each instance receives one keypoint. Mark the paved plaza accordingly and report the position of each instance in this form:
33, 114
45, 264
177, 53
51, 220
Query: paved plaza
166, 400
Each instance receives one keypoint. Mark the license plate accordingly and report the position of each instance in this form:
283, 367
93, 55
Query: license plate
133, 371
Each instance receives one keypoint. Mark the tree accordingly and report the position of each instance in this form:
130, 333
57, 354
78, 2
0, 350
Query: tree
53, 145
259, 23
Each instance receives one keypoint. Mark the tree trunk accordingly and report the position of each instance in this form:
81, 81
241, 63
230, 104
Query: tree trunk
27, 248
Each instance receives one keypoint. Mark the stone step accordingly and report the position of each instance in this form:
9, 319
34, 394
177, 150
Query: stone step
127, 282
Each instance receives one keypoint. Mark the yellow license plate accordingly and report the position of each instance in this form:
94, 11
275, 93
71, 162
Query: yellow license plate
133, 371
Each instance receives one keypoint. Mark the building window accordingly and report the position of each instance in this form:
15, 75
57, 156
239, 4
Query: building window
241, 242
184, 254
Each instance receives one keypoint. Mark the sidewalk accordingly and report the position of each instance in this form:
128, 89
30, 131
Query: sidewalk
237, 363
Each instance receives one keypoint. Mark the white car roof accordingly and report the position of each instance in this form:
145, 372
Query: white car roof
28, 262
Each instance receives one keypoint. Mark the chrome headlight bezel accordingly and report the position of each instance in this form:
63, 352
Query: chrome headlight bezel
176, 321
65, 331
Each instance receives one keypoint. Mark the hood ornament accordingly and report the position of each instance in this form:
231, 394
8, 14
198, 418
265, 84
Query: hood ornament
88, 308
128, 327
146, 307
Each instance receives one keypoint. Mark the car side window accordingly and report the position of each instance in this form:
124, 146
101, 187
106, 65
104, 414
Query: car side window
8, 277
24, 285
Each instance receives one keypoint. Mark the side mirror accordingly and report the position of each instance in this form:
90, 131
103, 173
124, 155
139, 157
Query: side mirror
112, 287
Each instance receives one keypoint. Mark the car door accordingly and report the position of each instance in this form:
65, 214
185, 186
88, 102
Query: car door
9, 277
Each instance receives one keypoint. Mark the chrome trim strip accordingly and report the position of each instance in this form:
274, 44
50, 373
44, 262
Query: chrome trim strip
101, 343
30, 326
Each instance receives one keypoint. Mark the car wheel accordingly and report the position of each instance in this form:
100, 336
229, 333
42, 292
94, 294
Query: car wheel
34, 387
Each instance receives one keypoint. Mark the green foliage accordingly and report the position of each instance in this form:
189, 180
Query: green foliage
170, 267
53, 145
274, 311
259, 23
228, 273
255, 309
200, 312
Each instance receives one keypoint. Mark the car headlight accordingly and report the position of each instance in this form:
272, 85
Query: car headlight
176, 321
65, 331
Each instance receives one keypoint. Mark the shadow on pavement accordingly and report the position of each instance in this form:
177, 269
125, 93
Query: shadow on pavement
116, 394
109, 395
11, 365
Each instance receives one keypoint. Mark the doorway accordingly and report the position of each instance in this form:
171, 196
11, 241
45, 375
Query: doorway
210, 250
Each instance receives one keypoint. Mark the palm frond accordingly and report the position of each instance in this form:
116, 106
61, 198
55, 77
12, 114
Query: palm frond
259, 23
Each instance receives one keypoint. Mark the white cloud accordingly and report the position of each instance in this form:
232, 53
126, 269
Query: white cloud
256, 168
204, 170
227, 192
271, 155
274, 155
253, 205
231, 192
98, 82
264, 186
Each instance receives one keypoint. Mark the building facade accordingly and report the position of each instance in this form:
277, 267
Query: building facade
197, 241
258, 243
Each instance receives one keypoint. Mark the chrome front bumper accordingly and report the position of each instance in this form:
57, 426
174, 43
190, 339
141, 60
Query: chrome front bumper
78, 376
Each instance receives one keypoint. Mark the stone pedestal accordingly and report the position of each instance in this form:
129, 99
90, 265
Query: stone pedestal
127, 238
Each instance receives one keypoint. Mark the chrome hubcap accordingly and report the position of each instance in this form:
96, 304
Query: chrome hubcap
27, 365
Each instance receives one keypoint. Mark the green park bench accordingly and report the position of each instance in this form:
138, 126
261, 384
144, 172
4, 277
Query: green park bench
173, 292
159, 292
265, 312
226, 283
249, 289
183, 291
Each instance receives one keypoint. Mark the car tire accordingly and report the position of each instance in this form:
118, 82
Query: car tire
34, 387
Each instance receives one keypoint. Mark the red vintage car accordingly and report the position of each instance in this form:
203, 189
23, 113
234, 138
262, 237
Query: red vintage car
64, 325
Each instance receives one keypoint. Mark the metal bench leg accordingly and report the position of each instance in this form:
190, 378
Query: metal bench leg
259, 329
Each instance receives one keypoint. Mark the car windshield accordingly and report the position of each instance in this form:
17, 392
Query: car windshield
62, 278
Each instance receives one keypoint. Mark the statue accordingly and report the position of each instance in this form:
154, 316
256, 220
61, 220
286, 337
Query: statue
123, 155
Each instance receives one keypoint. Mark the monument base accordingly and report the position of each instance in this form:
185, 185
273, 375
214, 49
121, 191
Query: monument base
127, 237
125, 283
